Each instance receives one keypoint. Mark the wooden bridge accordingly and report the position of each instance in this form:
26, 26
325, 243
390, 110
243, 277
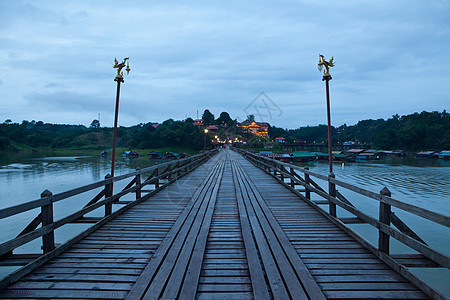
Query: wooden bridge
220, 225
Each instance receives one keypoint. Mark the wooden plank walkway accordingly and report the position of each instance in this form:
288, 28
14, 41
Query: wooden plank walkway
227, 230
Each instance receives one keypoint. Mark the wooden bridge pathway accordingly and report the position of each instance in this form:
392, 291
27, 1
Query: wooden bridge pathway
227, 230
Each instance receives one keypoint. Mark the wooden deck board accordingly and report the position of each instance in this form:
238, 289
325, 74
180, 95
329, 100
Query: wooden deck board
227, 230
343, 268
118, 252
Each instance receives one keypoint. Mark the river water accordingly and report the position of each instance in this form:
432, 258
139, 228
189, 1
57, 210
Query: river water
422, 182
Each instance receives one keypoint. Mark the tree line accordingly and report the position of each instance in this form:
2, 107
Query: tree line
414, 132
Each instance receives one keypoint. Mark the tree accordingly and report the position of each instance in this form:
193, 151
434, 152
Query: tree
8, 121
224, 119
95, 124
208, 117
250, 118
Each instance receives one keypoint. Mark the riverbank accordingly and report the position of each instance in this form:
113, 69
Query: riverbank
12, 156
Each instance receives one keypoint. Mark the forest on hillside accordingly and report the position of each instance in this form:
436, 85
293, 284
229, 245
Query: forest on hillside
413, 132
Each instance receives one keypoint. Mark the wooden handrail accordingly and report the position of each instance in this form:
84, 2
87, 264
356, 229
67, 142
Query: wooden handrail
336, 198
31, 232
23, 207
416, 210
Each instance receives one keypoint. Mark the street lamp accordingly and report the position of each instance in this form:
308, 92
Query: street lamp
206, 131
118, 79
327, 78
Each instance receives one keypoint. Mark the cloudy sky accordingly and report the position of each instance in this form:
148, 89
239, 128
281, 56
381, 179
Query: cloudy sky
56, 59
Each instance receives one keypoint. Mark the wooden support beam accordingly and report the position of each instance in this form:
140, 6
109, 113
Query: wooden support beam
414, 261
352, 221
86, 220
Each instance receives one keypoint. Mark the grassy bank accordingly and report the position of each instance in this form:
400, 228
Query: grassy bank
89, 151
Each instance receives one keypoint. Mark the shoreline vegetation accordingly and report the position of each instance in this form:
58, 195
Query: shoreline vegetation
412, 133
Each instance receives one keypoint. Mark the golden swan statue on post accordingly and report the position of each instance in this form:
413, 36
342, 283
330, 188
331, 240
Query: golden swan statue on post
326, 64
120, 66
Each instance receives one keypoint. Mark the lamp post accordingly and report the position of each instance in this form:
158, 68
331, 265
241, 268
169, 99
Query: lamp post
327, 78
119, 80
206, 132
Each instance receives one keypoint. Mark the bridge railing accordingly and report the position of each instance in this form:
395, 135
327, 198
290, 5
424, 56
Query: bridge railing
297, 176
156, 178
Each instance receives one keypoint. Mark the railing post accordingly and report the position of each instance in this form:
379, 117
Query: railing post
48, 240
108, 193
332, 193
385, 218
291, 172
169, 169
157, 180
281, 175
307, 191
138, 183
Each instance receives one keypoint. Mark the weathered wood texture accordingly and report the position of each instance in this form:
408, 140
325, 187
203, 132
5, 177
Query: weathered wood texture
227, 230
342, 267
225, 269
107, 263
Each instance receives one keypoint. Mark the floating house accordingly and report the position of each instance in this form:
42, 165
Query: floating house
444, 154
368, 155
426, 154
172, 155
155, 155
298, 156
321, 156
130, 154
354, 152
392, 153
336, 156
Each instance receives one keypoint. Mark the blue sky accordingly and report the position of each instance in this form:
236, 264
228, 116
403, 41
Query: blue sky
56, 59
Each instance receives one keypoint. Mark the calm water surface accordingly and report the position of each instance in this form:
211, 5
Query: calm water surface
422, 182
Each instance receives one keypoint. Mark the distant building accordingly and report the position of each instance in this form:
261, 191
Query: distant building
257, 128
155, 125
279, 140
212, 128
268, 145
198, 122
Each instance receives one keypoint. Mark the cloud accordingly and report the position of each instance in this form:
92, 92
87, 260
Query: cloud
188, 57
